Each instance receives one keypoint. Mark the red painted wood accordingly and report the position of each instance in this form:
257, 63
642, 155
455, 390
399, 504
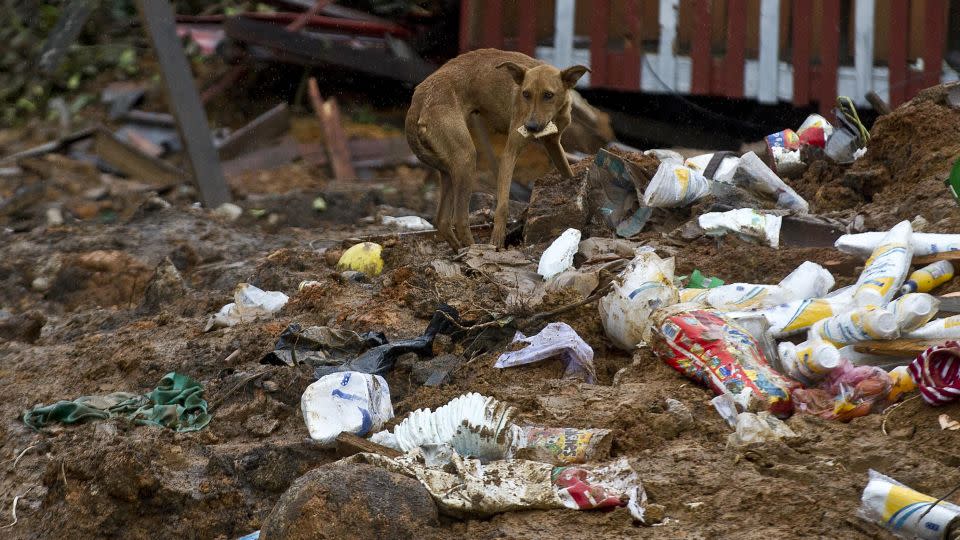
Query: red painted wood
829, 57
527, 27
801, 39
616, 77
493, 23
466, 10
632, 54
599, 38
897, 41
934, 41
700, 51
736, 45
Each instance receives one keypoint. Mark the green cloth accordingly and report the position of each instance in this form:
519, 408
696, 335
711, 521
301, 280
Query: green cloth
176, 403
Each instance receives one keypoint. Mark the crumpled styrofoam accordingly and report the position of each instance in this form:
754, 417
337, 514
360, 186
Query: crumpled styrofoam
249, 303
559, 256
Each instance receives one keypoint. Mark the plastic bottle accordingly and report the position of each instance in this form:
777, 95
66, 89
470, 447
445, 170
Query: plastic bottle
946, 329
886, 268
928, 278
861, 324
809, 361
902, 383
914, 310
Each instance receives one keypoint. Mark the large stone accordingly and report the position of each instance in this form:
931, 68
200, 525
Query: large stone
556, 204
351, 501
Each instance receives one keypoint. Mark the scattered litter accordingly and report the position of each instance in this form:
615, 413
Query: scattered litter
754, 175
914, 310
923, 244
559, 256
719, 166
350, 402
714, 351
556, 339
903, 383
808, 361
675, 185
928, 278
860, 324
939, 329
643, 287
809, 280
758, 428
249, 303
363, 257
228, 211
937, 373
886, 269
947, 423
561, 446
699, 281
407, 223
906, 513
176, 403
726, 407
320, 346
746, 223
846, 393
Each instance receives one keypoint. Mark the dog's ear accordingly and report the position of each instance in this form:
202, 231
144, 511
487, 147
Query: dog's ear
572, 74
517, 72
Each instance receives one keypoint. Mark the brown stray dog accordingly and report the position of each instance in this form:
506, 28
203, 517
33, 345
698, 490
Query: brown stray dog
508, 90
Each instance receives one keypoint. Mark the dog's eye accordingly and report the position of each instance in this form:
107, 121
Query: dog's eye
526, 94
548, 95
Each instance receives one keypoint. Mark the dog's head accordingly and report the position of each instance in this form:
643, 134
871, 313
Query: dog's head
543, 91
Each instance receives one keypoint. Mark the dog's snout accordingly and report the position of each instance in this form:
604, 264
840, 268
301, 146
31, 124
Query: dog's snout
533, 127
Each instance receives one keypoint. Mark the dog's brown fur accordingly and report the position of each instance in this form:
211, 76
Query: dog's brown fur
508, 90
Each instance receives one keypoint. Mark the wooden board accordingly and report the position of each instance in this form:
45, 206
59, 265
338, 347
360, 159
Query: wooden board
945, 256
135, 163
897, 347
181, 91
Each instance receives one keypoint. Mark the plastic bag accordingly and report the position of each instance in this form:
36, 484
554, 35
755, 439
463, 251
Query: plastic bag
713, 350
745, 222
937, 373
643, 287
754, 175
249, 303
675, 185
724, 172
407, 223
923, 244
886, 269
760, 427
350, 402
907, 513
914, 310
556, 339
559, 256
846, 393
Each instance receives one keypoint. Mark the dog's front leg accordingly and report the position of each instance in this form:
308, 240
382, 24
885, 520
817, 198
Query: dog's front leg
555, 151
508, 160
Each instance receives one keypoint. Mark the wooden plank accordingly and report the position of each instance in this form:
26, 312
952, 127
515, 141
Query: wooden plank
768, 67
700, 53
286, 150
666, 56
934, 41
829, 57
736, 47
927, 259
563, 33
493, 24
65, 33
348, 444
466, 28
183, 99
527, 27
263, 128
878, 103
864, 11
599, 37
896, 347
801, 43
329, 115
897, 42
633, 49
131, 161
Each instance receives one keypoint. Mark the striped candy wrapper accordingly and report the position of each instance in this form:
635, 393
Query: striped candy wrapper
937, 373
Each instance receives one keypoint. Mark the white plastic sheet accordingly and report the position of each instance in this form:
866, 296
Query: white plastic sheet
556, 339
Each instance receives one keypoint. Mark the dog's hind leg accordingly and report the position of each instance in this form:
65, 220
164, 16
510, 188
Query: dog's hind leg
444, 219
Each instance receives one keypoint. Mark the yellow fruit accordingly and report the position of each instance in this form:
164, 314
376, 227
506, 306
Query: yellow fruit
364, 257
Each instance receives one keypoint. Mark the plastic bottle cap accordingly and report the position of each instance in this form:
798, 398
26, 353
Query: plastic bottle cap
885, 322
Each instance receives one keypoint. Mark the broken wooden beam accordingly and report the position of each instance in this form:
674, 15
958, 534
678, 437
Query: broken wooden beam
133, 162
184, 100
329, 115
257, 133
52, 146
878, 103
349, 444
897, 347
924, 260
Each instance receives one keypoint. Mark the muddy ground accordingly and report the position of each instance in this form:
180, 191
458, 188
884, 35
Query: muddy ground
89, 277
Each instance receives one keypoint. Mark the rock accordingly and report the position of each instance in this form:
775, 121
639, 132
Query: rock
353, 501
261, 424
654, 513
556, 205
23, 327
228, 211
164, 287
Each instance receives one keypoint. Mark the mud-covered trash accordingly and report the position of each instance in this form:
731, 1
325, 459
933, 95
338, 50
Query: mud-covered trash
713, 350
176, 403
846, 393
228, 211
364, 257
558, 257
561, 446
380, 359
350, 402
745, 223
928, 278
906, 513
757, 428
555, 340
249, 304
886, 269
468, 489
849, 135
937, 373
319, 345
645, 286
675, 185
407, 223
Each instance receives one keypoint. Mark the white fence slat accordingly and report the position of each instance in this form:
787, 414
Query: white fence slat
769, 51
667, 64
863, 47
563, 33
